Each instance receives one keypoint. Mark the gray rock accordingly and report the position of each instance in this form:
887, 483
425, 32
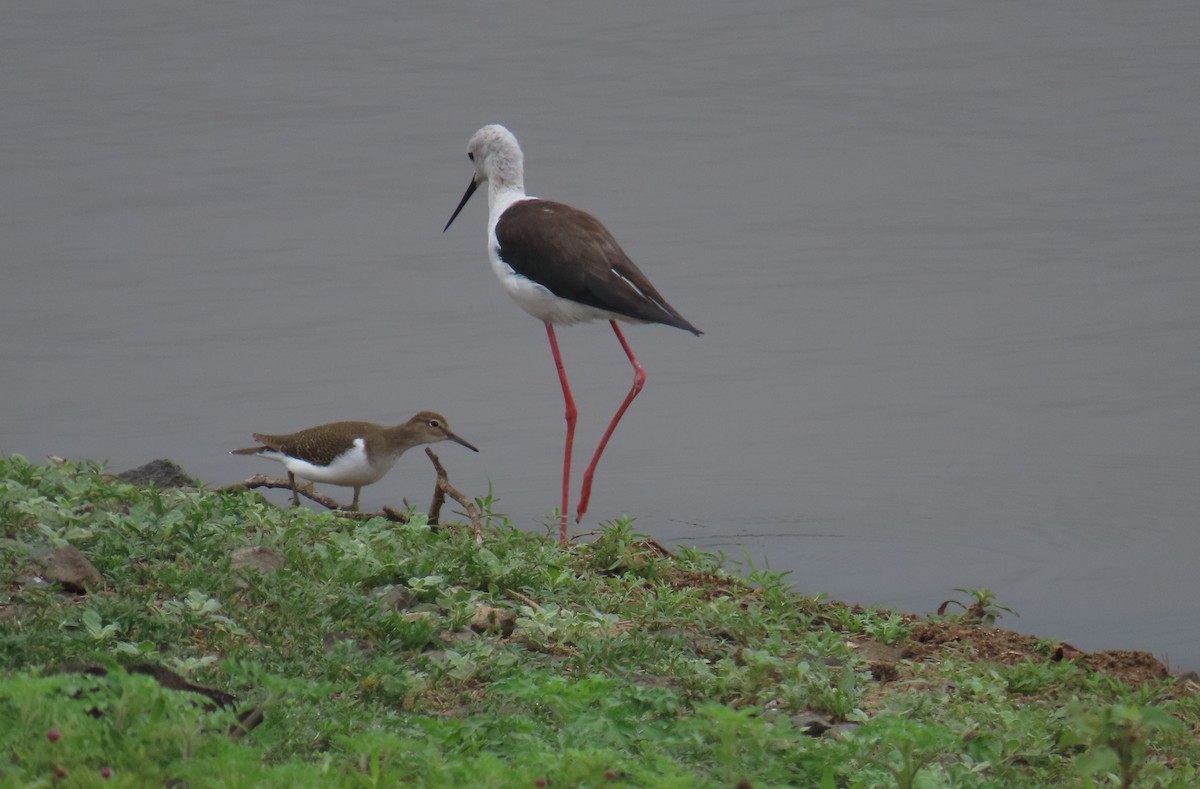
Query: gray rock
161, 473
393, 597
259, 558
69, 568
452, 638
811, 723
815, 725
499, 621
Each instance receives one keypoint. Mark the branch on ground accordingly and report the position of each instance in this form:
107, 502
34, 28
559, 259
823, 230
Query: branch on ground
308, 491
444, 489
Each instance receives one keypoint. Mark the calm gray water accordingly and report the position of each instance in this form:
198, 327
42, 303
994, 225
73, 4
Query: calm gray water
944, 253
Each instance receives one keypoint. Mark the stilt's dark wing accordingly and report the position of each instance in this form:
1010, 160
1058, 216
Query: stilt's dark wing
575, 257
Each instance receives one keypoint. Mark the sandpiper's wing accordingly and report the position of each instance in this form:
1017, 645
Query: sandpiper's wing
318, 445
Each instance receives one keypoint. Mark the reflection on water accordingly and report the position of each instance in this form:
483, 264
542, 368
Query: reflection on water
944, 259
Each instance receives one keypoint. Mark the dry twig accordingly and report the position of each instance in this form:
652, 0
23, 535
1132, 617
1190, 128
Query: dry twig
263, 481
658, 548
444, 489
310, 492
514, 594
441, 490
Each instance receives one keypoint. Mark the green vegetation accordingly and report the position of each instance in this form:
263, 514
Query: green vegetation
384, 655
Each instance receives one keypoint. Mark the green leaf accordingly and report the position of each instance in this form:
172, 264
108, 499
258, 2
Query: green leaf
1097, 760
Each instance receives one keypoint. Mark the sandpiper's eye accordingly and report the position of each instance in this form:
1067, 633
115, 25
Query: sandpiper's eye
471, 156
434, 423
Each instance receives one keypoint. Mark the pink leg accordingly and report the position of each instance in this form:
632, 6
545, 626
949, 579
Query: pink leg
639, 380
570, 415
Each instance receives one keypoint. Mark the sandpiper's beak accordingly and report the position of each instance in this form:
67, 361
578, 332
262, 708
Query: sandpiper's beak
462, 441
470, 191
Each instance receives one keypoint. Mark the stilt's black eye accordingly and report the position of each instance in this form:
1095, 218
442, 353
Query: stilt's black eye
471, 156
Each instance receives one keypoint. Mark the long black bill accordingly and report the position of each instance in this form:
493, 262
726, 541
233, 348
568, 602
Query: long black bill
470, 191
457, 439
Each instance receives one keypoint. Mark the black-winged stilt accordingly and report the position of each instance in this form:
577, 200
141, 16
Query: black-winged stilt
561, 266
351, 454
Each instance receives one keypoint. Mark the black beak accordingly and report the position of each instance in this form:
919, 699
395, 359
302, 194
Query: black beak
470, 191
458, 440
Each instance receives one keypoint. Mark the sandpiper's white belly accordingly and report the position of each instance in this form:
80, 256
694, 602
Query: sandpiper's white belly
351, 468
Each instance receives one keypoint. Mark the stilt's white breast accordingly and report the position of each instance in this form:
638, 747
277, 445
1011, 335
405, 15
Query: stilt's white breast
538, 301
351, 468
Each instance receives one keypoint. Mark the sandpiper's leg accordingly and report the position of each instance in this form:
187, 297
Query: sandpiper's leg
354, 504
295, 493
639, 380
571, 415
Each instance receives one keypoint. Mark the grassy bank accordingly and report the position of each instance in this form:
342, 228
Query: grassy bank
276, 647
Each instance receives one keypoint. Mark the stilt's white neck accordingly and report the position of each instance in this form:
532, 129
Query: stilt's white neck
498, 202
502, 195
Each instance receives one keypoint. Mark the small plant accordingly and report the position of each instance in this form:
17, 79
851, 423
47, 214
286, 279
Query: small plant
1117, 737
889, 629
486, 505
884, 626
903, 747
984, 610
617, 549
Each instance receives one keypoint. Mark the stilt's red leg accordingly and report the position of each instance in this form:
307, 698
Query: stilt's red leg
639, 380
570, 415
